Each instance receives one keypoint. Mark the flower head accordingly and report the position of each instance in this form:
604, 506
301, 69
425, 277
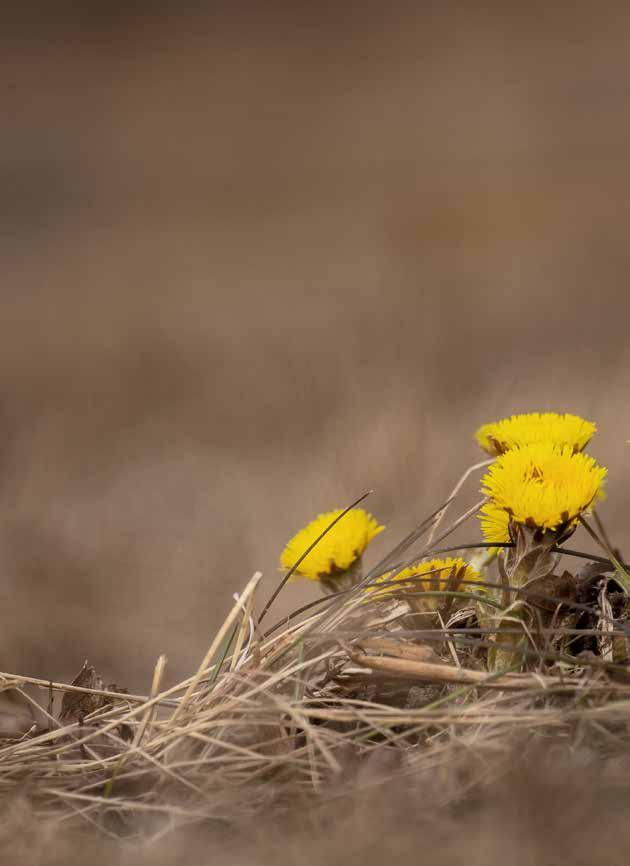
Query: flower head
434, 574
338, 550
540, 485
519, 430
495, 523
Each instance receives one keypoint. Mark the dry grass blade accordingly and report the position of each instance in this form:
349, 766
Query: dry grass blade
216, 643
19, 679
158, 674
407, 542
462, 519
482, 464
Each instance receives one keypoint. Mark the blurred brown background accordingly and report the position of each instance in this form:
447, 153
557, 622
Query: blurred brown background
257, 259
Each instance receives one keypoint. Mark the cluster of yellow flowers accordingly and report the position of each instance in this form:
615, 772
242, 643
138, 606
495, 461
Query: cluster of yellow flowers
540, 478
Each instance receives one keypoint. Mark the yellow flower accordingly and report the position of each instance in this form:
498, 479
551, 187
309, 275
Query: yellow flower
454, 575
540, 485
535, 427
338, 550
495, 522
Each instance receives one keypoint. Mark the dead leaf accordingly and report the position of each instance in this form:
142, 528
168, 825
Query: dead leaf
550, 590
75, 706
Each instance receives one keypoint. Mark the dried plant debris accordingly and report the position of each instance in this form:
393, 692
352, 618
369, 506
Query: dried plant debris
400, 670
271, 727
77, 705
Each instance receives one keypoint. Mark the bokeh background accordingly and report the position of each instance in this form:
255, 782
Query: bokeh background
259, 258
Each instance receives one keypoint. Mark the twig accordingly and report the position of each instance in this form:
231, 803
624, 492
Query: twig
442, 673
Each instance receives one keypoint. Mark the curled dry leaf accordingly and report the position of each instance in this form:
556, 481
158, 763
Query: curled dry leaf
75, 706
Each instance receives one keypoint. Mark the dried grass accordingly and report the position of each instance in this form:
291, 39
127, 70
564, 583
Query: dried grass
344, 685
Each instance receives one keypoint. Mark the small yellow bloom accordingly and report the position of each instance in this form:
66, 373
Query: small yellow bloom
540, 485
495, 522
338, 550
535, 427
454, 575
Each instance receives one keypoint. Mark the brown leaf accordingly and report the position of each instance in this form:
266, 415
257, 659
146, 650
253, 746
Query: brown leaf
75, 705
593, 570
549, 590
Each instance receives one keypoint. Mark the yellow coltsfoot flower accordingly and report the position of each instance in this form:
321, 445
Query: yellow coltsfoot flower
542, 486
338, 554
452, 574
495, 523
519, 430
